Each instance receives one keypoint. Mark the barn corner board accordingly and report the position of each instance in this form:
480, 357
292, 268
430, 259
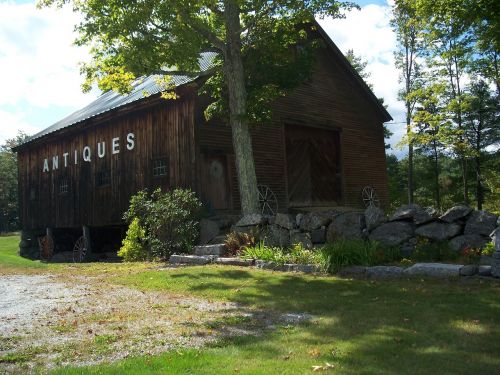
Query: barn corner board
323, 145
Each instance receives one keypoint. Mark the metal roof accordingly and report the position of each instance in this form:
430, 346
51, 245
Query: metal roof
141, 88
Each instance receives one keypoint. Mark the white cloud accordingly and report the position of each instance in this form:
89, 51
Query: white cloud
38, 66
38, 61
369, 34
12, 123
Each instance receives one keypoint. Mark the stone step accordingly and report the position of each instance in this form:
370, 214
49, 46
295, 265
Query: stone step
216, 249
235, 262
191, 259
434, 270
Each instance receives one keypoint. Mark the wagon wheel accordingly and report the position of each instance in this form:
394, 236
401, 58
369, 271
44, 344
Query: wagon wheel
370, 197
80, 250
46, 245
267, 200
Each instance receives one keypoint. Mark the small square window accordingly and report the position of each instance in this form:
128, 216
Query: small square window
160, 167
63, 186
103, 178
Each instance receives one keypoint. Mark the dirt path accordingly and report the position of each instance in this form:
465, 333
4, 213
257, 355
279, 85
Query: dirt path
48, 321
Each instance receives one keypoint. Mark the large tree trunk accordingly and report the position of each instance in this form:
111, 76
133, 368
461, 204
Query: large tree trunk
242, 142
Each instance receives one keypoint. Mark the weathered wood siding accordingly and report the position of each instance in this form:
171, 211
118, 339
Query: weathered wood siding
330, 100
164, 129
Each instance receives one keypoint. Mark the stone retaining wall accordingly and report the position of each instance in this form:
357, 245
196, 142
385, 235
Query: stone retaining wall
461, 226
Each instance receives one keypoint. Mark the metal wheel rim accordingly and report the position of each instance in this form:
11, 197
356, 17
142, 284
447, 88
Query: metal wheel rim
79, 250
267, 200
370, 197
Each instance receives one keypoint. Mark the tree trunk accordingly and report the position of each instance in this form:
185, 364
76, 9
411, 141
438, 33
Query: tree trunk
410, 174
436, 177
463, 167
410, 148
479, 186
242, 142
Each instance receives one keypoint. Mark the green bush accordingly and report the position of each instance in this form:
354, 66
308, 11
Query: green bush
488, 249
297, 254
344, 253
300, 255
170, 219
263, 252
134, 247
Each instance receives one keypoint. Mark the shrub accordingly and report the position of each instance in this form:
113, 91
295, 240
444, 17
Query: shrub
263, 252
470, 255
300, 255
297, 254
488, 249
386, 254
344, 253
428, 251
235, 242
134, 247
170, 219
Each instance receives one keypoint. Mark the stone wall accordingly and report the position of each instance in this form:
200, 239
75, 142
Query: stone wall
461, 226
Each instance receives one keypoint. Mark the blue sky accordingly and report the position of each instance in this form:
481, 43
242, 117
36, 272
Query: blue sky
40, 75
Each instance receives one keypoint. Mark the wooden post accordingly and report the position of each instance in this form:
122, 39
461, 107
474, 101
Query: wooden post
48, 232
86, 235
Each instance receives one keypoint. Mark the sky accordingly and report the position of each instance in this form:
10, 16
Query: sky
39, 64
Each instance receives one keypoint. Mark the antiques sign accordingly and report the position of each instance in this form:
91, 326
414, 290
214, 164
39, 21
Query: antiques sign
87, 154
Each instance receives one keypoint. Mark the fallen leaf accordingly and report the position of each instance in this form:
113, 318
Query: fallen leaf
314, 353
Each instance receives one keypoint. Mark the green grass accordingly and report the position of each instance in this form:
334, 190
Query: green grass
360, 327
9, 258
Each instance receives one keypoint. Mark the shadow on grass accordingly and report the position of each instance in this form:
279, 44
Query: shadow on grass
389, 327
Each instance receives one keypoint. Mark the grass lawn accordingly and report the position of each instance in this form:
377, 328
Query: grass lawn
359, 326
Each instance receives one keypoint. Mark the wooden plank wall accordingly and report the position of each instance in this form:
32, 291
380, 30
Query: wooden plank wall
166, 129
331, 99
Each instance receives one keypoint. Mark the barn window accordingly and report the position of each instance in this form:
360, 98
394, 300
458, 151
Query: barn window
103, 178
63, 186
32, 194
160, 167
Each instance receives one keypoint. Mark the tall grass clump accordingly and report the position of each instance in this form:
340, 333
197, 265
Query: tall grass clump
263, 252
344, 253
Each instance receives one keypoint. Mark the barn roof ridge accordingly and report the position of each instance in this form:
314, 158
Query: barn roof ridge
147, 86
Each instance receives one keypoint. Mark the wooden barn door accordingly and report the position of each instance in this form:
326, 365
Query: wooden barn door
215, 186
313, 166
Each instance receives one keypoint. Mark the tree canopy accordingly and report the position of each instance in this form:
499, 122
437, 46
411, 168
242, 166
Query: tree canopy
452, 104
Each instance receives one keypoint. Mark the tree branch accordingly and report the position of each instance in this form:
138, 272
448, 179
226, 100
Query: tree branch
202, 73
203, 31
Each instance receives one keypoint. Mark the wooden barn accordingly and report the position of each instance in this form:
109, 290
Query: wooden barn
323, 146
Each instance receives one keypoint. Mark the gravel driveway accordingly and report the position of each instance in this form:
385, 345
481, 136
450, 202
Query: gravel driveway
48, 321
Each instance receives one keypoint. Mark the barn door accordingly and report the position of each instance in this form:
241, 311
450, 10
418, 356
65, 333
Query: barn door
216, 182
299, 168
313, 166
